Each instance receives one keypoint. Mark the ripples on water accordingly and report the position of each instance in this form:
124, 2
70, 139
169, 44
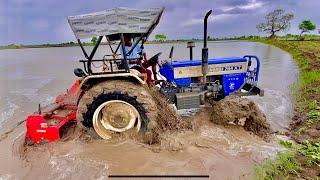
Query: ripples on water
7, 109
32, 92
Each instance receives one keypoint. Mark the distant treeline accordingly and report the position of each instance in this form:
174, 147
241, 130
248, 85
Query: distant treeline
286, 37
67, 44
21, 46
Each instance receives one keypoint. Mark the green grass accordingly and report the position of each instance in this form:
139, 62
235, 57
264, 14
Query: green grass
313, 116
286, 144
292, 163
311, 151
309, 77
287, 164
284, 166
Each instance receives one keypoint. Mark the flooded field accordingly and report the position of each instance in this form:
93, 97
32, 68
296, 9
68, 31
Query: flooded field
32, 76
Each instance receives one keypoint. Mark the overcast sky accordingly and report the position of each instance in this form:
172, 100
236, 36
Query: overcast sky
44, 21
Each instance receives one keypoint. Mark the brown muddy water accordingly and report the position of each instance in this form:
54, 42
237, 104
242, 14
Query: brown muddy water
32, 76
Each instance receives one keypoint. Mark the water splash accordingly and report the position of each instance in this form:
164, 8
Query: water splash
277, 106
7, 110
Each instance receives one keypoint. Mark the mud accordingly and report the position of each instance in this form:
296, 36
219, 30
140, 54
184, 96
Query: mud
167, 118
241, 111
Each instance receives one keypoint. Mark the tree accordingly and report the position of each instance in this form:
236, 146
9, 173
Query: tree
94, 40
306, 26
276, 21
160, 37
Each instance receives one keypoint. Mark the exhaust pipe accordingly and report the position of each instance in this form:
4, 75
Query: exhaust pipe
205, 48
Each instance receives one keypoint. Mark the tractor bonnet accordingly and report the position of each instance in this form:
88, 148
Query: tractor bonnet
115, 21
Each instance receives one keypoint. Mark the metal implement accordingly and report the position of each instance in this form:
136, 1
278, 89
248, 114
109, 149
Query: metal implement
46, 125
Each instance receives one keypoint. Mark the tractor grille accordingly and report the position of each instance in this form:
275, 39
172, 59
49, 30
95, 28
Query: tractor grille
188, 100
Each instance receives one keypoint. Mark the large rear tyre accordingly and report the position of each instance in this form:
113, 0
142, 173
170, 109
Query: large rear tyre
117, 106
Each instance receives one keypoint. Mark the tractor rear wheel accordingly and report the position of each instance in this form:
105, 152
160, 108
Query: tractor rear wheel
115, 107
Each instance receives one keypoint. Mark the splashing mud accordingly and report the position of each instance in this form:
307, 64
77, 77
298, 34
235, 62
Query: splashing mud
241, 111
167, 119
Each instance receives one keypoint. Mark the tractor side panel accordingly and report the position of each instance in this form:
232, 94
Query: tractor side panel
168, 72
232, 82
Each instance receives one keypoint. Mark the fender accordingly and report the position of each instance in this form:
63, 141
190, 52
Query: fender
139, 78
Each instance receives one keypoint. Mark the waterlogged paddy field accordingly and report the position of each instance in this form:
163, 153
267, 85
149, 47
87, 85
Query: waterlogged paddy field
32, 76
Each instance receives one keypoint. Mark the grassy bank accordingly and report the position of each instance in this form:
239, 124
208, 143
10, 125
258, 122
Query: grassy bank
302, 160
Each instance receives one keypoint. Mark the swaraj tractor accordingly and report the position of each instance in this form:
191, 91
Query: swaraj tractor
111, 94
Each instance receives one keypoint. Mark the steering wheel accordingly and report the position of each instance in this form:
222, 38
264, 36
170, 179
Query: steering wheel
154, 59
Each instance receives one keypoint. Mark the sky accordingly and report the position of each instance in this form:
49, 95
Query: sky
45, 21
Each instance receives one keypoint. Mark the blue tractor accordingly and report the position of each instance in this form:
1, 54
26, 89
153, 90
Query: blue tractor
112, 97
190, 82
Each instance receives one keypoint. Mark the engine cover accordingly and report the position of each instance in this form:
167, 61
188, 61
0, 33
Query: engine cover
232, 71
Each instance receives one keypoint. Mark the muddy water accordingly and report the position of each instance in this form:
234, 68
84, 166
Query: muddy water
32, 76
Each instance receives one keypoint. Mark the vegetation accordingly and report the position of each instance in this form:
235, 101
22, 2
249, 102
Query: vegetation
287, 165
10, 46
283, 167
303, 159
94, 40
276, 21
21, 46
306, 26
160, 37
305, 37
289, 37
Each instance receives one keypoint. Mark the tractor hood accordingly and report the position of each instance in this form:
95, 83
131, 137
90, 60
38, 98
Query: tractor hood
114, 21
184, 70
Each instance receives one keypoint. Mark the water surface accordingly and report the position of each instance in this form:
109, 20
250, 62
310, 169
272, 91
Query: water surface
32, 76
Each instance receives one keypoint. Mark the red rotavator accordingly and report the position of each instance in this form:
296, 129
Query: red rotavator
46, 124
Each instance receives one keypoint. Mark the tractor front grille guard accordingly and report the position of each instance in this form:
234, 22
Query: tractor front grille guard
252, 75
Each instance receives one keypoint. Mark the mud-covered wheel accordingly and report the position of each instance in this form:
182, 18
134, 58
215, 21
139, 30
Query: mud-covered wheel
115, 107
